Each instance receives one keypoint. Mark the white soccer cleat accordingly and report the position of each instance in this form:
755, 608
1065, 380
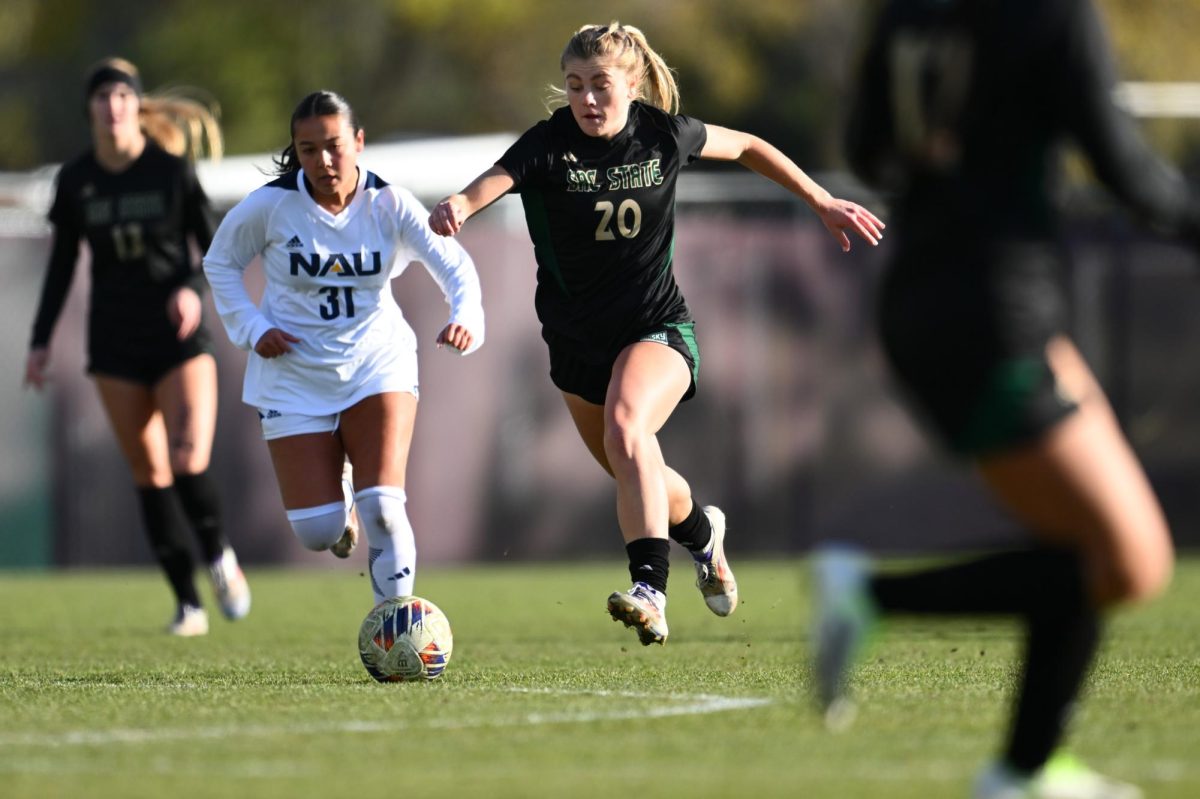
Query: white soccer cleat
714, 578
189, 621
1063, 777
845, 616
349, 540
230, 586
643, 609
997, 781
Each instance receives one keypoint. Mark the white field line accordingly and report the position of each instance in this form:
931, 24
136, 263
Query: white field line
677, 705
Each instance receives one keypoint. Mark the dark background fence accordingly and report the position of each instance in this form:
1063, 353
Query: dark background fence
796, 430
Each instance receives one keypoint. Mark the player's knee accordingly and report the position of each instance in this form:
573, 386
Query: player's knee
1145, 578
622, 438
187, 459
319, 528
1140, 573
381, 509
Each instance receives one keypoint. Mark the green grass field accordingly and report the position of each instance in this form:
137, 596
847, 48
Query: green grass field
545, 696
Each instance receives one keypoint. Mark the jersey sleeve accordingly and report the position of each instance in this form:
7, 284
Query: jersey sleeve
64, 253
1109, 136
199, 220
447, 262
690, 136
529, 156
241, 236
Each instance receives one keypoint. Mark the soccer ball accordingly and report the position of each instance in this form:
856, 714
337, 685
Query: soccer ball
405, 638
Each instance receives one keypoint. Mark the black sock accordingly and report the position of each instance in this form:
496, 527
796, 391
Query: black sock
1046, 587
202, 506
1008, 583
694, 532
1061, 644
164, 527
648, 562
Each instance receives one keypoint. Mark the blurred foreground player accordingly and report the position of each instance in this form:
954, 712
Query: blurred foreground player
959, 111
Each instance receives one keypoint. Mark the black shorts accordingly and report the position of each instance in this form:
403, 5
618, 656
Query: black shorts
966, 329
140, 358
576, 371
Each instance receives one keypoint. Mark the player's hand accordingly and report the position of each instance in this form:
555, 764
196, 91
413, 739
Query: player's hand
185, 311
275, 342
840, 216
455, 337
448, 216
35, 367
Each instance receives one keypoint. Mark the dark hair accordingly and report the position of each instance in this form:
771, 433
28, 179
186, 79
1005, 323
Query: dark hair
318, 104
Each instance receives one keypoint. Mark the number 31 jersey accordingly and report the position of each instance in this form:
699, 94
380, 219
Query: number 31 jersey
328, 283
601, 214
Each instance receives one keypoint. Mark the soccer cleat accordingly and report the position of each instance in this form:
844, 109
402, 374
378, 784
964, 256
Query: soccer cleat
714, 578
845, 615
1066, 777
349, 540
230, 586
189, 621
1063, 777
642, 609
998, 781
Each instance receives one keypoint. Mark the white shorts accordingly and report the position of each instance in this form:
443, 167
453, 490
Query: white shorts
281, 424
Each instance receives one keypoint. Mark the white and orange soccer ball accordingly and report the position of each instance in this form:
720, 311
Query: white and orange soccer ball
405, 638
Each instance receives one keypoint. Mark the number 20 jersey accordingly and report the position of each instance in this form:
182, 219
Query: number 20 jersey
601, 214
328, 282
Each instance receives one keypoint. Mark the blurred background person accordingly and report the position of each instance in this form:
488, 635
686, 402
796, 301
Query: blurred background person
959, 112
134, 197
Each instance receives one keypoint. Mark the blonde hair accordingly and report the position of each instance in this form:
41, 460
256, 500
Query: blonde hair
181, 120
626, 47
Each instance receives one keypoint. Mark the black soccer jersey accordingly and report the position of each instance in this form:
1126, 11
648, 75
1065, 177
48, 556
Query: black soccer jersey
962, 104
136, 223
601, 214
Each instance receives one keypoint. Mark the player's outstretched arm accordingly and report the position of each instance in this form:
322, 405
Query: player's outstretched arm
451, 214
838, 216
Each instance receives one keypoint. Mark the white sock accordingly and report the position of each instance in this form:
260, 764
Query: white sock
392, 549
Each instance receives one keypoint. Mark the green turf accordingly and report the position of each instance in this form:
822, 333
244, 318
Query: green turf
545, 696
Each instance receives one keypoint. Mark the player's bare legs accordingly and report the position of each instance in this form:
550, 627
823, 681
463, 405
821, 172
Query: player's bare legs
142, 437
1082, 486
187, 396
589, 421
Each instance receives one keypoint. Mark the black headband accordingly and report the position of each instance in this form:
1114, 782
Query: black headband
112, 75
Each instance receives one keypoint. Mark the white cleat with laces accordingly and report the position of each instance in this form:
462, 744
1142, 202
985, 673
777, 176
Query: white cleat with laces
714, 578
643, 609
189, 622
349, 540
230, 586
1063, 777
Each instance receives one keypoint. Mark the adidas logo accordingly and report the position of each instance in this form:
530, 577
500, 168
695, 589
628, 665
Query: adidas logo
294, 243
272, 415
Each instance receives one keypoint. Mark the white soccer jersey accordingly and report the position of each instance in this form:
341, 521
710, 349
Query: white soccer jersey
328, 282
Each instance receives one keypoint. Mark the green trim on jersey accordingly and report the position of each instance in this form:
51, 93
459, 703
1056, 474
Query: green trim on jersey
539, 230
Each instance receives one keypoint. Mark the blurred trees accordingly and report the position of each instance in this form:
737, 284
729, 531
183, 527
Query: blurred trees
774, 67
